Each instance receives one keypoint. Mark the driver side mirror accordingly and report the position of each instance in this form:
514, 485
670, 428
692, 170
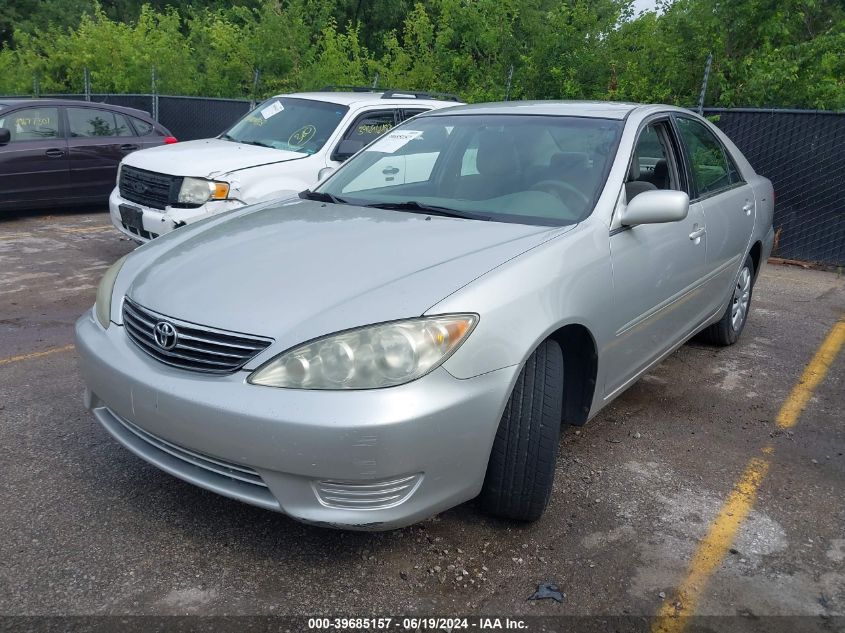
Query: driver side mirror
346, 149
5, 136
656, 207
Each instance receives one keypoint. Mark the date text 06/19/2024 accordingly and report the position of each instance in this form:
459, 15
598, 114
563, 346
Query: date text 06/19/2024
416, 624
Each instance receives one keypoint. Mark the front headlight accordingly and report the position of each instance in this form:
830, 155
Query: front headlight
370, 357
102, 307
200, 191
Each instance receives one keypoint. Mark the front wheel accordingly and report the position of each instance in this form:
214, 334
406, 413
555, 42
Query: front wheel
521, 469
730, 326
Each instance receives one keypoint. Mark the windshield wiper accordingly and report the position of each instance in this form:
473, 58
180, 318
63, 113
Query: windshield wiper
319, 196
226, 137
259, 143
412, 206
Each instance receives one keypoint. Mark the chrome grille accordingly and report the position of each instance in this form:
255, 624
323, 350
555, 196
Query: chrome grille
373, 495
197, 348
148, 188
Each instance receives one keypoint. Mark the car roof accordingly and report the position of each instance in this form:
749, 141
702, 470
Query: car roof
8, 103
594, 109
354, 98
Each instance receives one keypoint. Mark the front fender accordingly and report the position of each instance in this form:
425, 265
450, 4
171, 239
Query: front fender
567, 280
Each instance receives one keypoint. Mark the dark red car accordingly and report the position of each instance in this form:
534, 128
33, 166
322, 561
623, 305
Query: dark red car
60, 152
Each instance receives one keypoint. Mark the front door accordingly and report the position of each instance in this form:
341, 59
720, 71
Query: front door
657, 268
34, 164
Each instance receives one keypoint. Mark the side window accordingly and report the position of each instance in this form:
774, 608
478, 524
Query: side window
710, 170
32, 124
142, 127
407, 114
91, 123
652, 166
370, 126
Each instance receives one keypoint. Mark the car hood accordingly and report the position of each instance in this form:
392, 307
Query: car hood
205, 158
302, 269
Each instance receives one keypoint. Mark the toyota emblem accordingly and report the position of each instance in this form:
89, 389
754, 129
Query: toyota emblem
139, 187
165, 335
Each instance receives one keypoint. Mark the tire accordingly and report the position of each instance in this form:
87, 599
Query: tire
727, 330
521, 469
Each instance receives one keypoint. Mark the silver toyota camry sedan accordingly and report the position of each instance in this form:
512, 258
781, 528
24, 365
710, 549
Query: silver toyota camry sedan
417, 330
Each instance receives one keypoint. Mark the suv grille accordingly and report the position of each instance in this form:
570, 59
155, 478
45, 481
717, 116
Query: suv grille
188, 345
147, 187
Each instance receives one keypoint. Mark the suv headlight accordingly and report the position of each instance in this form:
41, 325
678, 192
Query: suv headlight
102, 307
200, 191
370, 357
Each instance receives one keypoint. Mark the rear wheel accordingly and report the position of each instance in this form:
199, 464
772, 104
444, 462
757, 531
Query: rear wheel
730, 326
521, 469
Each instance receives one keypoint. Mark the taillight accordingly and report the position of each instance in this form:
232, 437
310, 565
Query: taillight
169, 140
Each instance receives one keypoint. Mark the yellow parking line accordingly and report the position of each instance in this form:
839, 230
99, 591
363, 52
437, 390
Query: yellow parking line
673, 614
73, 229
813, 375
85, 229
46, 352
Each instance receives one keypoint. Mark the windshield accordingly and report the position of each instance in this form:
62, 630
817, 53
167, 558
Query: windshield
297, 125
508, 168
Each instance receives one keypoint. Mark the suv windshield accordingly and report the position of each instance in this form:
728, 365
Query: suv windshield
509, 168
297, 125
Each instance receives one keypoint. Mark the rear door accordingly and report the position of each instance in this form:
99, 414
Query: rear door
367, 127
727, 202
97, 141
34, 168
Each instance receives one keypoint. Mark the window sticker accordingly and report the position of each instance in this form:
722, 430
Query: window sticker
272, 109
394, 141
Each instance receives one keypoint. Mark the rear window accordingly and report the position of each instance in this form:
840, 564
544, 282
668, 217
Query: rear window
142, 127
92, 123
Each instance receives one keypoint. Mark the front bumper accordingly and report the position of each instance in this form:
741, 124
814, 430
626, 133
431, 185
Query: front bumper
158, 222
220, 433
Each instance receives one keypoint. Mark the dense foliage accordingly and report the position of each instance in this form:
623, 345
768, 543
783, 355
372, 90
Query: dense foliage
786, 53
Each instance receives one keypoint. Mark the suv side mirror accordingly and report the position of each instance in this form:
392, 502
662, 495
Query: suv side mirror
346, 149
656, 207
5, 136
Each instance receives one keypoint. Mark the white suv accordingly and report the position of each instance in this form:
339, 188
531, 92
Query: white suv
285, 145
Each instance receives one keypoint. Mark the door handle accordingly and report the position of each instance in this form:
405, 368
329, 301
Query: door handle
697, 233
55, 152
128, 147
748, 207
390, 171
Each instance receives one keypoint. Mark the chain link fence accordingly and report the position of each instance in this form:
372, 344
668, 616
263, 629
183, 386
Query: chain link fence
800, 151
188, 118
803, 154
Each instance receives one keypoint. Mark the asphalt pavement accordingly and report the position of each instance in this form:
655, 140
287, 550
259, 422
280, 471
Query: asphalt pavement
89, 529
